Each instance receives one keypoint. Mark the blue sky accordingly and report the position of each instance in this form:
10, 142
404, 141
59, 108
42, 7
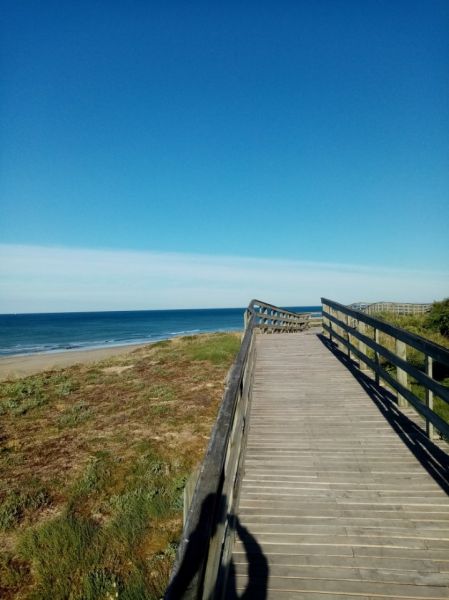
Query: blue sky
295, 133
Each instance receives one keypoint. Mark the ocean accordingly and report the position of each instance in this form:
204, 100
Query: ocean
53, 332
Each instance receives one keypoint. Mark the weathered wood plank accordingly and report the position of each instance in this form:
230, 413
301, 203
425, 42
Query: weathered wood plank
376, 588
349, 573
334, 503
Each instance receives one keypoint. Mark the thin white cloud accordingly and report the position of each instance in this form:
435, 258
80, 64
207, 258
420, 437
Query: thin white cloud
41, 279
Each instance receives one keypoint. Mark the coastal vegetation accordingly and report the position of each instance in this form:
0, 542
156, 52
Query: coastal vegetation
93, 463
434, 326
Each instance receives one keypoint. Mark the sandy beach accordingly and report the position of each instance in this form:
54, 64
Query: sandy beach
13, 367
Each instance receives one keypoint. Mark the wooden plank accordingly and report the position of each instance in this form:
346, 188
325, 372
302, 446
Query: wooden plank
255, 594
350, 573
333, 502
403, 564
375, 588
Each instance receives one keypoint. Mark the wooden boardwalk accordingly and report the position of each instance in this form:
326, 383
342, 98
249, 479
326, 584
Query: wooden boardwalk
334, 502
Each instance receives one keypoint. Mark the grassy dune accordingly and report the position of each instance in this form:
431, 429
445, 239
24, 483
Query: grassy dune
93, 461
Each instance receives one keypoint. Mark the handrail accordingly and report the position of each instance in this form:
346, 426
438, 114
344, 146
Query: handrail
345, 323
398, 308
420, 343
203, 555
272, 319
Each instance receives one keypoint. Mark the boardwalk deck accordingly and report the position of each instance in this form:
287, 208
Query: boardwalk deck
339, 499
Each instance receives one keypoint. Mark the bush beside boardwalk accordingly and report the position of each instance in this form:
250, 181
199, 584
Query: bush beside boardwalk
434, 326
94, 459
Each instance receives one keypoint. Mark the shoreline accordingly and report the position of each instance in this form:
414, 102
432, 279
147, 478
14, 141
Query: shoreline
22, 365
17, 366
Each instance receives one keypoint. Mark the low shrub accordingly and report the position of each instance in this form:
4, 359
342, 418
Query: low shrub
438, 317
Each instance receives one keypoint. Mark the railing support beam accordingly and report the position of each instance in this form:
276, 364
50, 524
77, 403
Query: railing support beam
429, 398
401, 375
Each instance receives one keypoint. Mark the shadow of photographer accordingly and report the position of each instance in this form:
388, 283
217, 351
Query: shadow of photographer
258, 571
187, 579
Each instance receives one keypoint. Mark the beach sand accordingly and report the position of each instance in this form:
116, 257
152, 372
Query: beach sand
13, 367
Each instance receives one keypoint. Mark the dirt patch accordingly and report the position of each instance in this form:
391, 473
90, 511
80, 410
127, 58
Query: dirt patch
117, 369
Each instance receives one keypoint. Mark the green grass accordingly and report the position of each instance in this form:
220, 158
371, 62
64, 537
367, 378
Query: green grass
161, 391
14, 574
19, 397
16, 505
418, 324
96, 474
75, 415
439, 406
59, 552
95, 462
22, 396
160, 409
78, 556
428, 328
219, 351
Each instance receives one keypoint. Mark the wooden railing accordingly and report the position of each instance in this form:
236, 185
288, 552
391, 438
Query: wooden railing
363, 337
397, 308
204, 552
272, 319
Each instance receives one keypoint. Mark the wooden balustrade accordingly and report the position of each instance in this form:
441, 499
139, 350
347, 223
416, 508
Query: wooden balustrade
347, 327
397, 308
272, 319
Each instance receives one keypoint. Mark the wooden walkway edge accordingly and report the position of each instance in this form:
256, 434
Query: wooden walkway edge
337, 501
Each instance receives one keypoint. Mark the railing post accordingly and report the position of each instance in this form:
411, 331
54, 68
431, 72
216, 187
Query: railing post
331, 325
376, 356
338, 329
401, 375
327, 322
188, 493
343, 332
347, 335
361, 328
429, 398
335, 314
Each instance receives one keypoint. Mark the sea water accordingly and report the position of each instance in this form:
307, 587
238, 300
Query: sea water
53, 332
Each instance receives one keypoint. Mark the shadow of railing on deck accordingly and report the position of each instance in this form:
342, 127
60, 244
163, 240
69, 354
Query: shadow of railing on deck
431, 457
